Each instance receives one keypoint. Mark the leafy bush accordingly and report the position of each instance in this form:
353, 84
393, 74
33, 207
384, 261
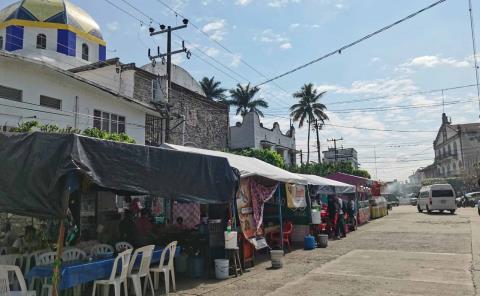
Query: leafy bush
268, 156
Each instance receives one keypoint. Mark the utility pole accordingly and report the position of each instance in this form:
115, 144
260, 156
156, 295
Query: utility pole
335, 146
301, 157
168, 55
375, 157
318, 126
474, 45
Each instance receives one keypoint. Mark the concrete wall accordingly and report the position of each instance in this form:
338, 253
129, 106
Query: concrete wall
206, 124
251, 134
36, 80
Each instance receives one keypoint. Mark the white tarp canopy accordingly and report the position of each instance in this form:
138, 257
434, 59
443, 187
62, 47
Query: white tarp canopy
248, 166
328, 186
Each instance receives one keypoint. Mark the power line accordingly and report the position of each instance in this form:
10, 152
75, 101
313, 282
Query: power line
472, 27
339, 50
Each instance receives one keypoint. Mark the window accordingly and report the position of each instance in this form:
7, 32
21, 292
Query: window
442, 193
10, 93
41, 41
112, 123
153, 130
85, 52
50, 102
1, 42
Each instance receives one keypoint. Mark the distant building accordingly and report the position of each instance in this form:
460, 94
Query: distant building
457, 149
341, 155
252, 134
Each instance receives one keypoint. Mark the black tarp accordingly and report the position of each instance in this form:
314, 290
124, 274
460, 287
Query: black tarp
34, 166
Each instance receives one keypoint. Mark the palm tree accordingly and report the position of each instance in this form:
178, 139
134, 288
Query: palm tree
308, 108
212, 89
242, 98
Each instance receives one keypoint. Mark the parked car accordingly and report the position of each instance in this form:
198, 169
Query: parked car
413, 200
437, 197
471, 199
392, 200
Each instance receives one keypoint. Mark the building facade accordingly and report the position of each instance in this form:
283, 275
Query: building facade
56, 72
251, 133
333, 155
457, 149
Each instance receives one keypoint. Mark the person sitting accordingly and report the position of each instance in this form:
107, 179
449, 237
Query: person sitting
180, 224
9, 236
26, 243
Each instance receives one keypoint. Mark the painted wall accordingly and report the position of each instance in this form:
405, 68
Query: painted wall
36, 80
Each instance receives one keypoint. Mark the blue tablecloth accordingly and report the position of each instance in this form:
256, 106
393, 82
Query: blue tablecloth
76, 273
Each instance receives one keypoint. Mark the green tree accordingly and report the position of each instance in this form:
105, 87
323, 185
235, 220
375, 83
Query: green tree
242, 98
268, 156
308, 109
212, 89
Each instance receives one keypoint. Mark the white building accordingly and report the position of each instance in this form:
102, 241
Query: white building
53, 69
457, 149
333, 155
252, 134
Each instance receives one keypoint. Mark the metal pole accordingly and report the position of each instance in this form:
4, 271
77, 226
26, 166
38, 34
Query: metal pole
472, 27
279, 199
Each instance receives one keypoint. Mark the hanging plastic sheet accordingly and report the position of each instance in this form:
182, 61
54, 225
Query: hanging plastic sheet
296, 196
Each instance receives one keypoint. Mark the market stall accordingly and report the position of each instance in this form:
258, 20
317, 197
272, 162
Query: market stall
259, 197
52, 176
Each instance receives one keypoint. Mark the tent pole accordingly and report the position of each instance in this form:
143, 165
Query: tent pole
70, 185
279, 198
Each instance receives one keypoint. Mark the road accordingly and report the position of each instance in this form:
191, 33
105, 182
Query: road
405, 253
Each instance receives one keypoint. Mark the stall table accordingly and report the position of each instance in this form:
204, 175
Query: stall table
78, 273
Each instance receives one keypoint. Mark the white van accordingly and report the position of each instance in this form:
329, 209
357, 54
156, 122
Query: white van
437, 197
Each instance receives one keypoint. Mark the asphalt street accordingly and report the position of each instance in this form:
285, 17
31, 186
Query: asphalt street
404, 253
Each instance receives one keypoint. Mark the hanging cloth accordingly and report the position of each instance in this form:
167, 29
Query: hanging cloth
295, 196
260, 194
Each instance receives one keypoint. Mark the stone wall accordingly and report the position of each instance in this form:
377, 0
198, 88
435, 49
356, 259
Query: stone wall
206, 121
142, 87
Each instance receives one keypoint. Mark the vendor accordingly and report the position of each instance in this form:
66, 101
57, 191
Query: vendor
127, 228
144, 227
180, 224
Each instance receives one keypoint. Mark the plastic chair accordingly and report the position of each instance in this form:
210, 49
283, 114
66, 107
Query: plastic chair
143, 271
46, 259
12, 259
5, 282
73, 254
122, 246
102, 249
287, 231
115, 280
167, 269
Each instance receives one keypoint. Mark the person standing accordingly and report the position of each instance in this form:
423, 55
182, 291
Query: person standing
341, 220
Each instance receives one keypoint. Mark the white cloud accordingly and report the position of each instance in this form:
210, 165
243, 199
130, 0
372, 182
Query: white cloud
269, 36
215, 29
281, 3
236, 59
431, 61
384, 86
294, 26
286, 45
375, 59
178, 59
113, 26
243, 2
211, 51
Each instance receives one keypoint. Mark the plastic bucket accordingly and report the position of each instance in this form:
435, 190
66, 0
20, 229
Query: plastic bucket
221, 269
196, 267
309, 243
181, 263
277, 258
322, 240
316, 219
231, 240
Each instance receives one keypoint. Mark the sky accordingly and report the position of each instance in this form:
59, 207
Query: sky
241, 41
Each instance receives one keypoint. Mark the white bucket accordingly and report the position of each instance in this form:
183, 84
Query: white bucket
231, 240
316, 219
277, 258
221, 269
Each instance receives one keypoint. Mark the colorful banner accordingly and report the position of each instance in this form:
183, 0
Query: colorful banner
245, 209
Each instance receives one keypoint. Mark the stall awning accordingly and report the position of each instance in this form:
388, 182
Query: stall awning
327, 186
350, 179
248, 166
34, 167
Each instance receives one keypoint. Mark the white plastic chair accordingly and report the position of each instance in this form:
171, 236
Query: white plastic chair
73, 254
12, 259
167, 269
122, 246
5, 282
32, 261
47, 258
143, 271
115, 280
102, 249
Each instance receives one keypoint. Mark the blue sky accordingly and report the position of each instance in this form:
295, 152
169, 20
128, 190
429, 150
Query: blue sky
430, 51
